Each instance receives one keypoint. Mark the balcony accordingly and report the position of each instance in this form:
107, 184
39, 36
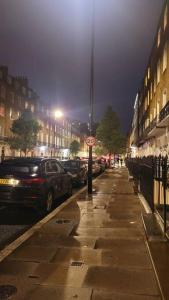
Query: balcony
164, 112
3, 139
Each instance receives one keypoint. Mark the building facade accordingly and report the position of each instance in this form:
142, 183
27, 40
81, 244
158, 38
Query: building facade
15, 96
150, 128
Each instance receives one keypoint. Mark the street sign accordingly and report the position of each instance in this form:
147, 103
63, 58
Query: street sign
90, 141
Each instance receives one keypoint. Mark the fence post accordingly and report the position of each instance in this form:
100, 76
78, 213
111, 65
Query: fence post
164, 183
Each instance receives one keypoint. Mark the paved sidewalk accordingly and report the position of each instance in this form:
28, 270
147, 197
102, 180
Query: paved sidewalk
95, 248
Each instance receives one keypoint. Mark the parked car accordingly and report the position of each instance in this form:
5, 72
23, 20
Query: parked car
96, 169
33, 182
102, 163
77, 169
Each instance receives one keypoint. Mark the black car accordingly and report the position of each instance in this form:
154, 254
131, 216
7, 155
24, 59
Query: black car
33, 182
77, 169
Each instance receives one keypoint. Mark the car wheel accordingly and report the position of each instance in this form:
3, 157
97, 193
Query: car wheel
49, 201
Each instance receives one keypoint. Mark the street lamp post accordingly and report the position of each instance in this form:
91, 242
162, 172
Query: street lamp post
91, 96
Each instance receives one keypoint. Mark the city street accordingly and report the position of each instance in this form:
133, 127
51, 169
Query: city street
84, 150
93, 248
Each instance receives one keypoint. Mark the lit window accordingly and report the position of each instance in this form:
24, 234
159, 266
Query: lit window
2, 109
164, 97
26, 105
158, 72
148, 74
165, 17
146, 81
148, 98
11, 114
32, 108
159, 37
24, 90
165, 58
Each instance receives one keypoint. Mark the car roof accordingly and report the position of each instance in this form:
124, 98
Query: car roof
34, 160
70, 160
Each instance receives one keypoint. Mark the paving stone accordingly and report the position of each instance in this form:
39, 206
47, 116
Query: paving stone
50, 274
50, 240
17, 268
109, 232
125, 244
43, 293
58, 229
87, 256
121, 280
33, 253
122, 258
100, 295
115, 257
108, 223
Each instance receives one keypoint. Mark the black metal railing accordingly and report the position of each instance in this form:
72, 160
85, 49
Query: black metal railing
153, 124
164, 112
146, 171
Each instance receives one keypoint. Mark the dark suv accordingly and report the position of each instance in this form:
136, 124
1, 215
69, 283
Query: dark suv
77, 169
33, 182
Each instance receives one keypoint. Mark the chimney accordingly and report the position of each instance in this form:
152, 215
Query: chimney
22, 80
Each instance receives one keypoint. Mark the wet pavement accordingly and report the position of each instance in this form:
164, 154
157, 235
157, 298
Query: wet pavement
94, 248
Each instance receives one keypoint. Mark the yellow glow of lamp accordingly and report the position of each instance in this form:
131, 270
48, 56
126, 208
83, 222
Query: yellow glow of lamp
58, 114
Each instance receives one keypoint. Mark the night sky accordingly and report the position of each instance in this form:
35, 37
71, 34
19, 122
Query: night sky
49, 42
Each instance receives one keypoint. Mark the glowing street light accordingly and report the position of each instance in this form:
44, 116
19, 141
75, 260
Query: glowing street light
58, 114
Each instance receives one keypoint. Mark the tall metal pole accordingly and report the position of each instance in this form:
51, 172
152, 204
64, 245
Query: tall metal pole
91, 95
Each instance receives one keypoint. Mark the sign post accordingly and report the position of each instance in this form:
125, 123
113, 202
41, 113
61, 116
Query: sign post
90, 141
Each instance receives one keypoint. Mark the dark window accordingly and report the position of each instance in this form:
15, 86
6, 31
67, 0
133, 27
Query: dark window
51, 167
70, 164
22, 169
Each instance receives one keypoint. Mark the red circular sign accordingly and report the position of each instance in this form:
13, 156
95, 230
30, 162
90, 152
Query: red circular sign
90, 141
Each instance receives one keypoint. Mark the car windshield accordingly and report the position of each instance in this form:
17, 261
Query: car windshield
70, 164
18, 168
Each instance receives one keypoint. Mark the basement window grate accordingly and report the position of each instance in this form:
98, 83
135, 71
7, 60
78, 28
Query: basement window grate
100, 207
77, 263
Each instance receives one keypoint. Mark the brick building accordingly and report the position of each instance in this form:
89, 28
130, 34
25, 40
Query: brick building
150, 131
15, 95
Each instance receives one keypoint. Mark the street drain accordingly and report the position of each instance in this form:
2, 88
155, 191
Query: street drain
7, 291
77, 263
62, 221
100, 207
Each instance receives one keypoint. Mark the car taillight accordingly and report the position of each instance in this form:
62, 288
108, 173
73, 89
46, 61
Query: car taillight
37, 180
